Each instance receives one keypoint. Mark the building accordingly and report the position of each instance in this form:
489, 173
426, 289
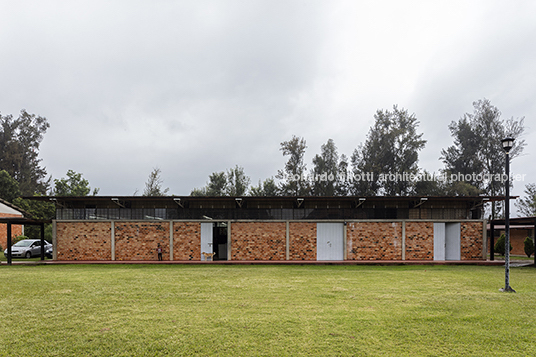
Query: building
269, 228
7, 210
520, 229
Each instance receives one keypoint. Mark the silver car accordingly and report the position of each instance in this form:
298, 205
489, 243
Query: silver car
27, 248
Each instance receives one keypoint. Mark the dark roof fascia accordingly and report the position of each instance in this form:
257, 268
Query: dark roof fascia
269, 198
515, 221
23, 220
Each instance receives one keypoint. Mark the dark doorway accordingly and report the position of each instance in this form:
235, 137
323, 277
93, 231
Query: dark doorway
219, 239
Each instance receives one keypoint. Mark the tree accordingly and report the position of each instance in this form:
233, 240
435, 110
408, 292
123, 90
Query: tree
233, 183
19, 151
429, 185
217, 184
389, 156
237, 182
153, 186
37, 210
500, 245
267, 188
198, 192
477, 148
293, 176
462, 157
73, 185
9, 188
527, 205
342, 186
432, 185
325, 170
528, 246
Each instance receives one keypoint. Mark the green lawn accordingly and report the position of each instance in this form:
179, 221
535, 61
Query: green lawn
209, 310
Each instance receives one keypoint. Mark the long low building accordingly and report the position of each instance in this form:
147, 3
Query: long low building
269, 228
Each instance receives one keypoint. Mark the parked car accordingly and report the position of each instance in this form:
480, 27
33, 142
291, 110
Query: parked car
27, 248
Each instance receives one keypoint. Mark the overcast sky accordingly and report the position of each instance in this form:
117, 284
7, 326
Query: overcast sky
195, 87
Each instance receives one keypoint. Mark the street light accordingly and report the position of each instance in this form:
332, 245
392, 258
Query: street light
507, 144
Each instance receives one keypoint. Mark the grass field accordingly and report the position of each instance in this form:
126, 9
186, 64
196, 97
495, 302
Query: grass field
208, 310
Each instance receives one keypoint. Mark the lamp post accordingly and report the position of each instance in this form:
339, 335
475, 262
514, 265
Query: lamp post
507, 144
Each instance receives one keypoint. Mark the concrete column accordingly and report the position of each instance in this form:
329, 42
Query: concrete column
345, 240
229, 240
403, 240
484, 240
170, 240
54, 241
112, 223
287, 247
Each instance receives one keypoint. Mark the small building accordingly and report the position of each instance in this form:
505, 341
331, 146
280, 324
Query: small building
269, 228
8, 210
520, 229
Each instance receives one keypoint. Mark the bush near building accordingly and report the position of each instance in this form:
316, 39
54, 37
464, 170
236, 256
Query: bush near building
500, 245
529, 246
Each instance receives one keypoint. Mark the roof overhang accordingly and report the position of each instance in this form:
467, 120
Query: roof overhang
483, 199
23, 220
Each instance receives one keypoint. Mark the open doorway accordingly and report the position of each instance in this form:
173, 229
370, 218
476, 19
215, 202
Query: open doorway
220, 241
214, 240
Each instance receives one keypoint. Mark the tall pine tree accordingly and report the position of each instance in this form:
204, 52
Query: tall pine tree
20, 139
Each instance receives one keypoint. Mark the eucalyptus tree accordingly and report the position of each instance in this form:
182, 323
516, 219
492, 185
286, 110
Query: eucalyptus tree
20, 139
266, 188
384, 164
73, 185
153, 186
234, 182
526, 206
237, 182
477, 152
325, 170
293, 178
216, 186
9, 187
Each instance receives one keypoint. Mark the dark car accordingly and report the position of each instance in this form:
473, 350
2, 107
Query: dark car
49, 252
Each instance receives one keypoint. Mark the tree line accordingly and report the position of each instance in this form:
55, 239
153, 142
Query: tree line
386, 163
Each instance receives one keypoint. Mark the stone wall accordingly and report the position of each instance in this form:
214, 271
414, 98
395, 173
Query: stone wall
374, 240
471, 240
186, 241
83, 241
302, 241
419, 240
258, 241
139, 240
255, 240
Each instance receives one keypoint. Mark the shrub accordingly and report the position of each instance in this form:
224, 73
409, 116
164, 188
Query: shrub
500, 245
18, 239
529, 246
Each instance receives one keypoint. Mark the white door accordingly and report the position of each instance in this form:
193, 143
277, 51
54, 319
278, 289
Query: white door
206, 238
329, 241
439, 241
452, 241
